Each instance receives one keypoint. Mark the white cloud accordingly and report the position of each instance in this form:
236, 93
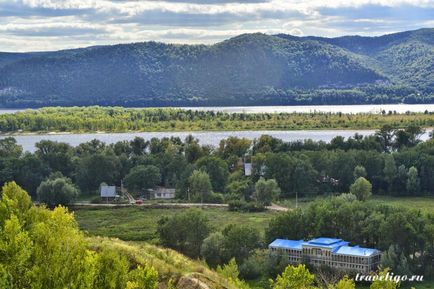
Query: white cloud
52, 24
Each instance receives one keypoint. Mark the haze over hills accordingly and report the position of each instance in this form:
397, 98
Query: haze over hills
250, 69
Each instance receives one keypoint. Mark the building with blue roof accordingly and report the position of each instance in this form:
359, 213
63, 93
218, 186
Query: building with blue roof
331, 252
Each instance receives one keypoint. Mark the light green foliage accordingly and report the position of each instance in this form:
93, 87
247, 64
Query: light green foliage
230, 271
57, 190
113, 270
361, 188
200, 186
14, 201
117, 119
42, 249
294, 277
15, 252
347, 197
413, 181
143, 278
345, 283
384, 284
359, 171
266, 191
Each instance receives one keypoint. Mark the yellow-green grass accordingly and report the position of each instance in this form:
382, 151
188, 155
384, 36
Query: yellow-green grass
140, 223
169, 264
425, 204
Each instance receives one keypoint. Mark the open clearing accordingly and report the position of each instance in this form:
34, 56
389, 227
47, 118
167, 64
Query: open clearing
140, 223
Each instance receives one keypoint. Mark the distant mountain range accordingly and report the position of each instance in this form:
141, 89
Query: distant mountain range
250, 69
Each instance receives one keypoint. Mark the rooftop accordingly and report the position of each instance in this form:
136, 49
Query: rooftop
337, 246
287, 244
355, 251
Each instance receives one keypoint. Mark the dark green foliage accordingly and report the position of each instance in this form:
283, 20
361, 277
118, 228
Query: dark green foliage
247, 69
184, 232
217, 170
57, 190
239, 242
141, 178
243, 206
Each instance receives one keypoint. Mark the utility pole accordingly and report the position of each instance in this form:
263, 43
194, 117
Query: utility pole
296, 199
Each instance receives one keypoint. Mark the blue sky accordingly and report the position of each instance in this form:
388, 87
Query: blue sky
36, 25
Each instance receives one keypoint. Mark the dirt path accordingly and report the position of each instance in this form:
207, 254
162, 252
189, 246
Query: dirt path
273, 207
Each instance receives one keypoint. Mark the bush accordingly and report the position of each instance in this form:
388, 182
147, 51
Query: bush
215, 198
243, 206
253, 266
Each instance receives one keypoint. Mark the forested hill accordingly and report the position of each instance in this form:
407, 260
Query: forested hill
245, 70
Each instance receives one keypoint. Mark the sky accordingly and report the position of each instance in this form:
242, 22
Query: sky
40, 25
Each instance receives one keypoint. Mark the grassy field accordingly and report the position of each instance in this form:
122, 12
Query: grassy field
425, 204
140, 224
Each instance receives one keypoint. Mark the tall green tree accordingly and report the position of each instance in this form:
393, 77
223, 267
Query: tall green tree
413, 181
184, 232
217, 169
199, 186
141, 178
361, 188
266, 191
57, 190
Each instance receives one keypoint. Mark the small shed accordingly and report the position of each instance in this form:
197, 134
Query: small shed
163, 193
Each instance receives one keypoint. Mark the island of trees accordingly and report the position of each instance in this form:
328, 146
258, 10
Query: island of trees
118, 119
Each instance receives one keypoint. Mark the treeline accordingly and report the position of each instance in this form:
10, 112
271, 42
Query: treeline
393, 161
116, 119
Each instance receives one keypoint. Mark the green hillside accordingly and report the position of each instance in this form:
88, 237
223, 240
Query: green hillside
247, 69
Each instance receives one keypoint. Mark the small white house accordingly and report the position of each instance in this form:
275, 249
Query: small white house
163, 193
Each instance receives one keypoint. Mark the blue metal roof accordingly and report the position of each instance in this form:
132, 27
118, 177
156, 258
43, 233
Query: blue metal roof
287, 244
324, 241
355, 251
329, 243
337, 246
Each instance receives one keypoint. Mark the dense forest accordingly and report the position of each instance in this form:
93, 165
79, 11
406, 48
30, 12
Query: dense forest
394, 161
245, 70
346, 172
118, 119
